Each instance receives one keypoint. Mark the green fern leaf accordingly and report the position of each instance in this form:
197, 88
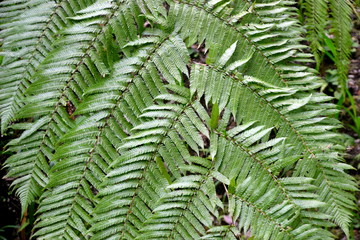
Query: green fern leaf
174, 119
29, 36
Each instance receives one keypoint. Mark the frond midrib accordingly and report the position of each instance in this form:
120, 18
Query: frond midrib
111, 113
28, 75
275, 109
158, 145
276, 223
302, 141
234, 28
62, 94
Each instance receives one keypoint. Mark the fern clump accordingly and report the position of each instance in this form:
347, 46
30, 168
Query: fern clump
126, 134
330, 17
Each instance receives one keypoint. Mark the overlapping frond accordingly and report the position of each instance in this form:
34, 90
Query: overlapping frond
151, 153
294, 114
330, 19
262, 206
55, 92
286, 74
130, 135
341, 28
237, 159
316, 12
272, 43
88, 150
29, 38
11, 8
223, 232
214, 86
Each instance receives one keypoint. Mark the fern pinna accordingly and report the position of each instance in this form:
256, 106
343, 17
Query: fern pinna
161, 119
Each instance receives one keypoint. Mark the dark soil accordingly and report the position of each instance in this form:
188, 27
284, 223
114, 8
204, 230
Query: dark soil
10, 208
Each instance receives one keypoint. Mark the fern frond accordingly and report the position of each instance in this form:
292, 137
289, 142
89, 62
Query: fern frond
222, 232
114, 215
129, 137
91, 147
339, 184
146, 73
296, 122
265, 161
299, 78
146, 158
273, 44
341, 28
316, 12
29, 164
30, 37
184, 212
11, 8
337, 14
75, 66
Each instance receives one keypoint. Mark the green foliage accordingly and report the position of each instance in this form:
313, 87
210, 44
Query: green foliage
3, 228
329, 25
330, 17
127, 135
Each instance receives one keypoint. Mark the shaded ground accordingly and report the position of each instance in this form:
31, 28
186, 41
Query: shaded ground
9, 204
